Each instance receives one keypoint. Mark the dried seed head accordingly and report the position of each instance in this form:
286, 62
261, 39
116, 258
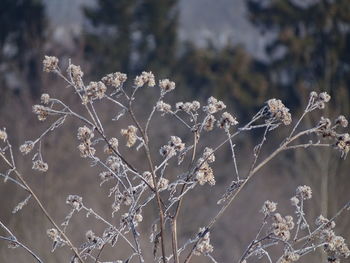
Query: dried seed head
209, 155
86, 150
41, 111
111, 146
163, 107
289, 257
304, 192
84, 134
313, 95
27, 147
45, 98
148, 178
227, 120
294, 201
282, 226
278, 111
95, 90
342, 121
204, 173
130, 134
3, 135
75, 74
324, 97
50, 64
204, 247
146, 78
166, 85
163, 184
115, 80
213, 106
53, 234
75, 201
138, 218
176, 143
268, 207
343, 144
114, 162
40, 166
209, 123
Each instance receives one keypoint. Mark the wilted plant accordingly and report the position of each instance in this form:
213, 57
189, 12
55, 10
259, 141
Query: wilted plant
135, 189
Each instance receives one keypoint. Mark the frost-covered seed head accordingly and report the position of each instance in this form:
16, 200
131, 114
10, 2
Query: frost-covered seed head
3, 135
45, 98
50, 64
146, 78
27, 147
40, 166
304, 192
268, 207
166, 85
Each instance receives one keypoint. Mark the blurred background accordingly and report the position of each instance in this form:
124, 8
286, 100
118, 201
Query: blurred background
241, 51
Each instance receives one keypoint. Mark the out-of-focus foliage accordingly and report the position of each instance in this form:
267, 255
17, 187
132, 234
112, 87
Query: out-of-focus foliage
129, 35
311, 48
22, 27
228, 73
132, 36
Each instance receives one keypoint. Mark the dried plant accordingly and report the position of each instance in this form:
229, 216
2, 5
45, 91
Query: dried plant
134, 190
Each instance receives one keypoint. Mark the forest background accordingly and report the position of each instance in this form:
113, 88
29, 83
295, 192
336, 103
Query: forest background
243, 52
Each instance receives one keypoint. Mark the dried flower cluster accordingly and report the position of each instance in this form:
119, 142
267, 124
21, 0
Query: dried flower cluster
130, 134
204, 247
278, 111
157, 187
174, 146
115, 79
146, 78
50, 64
85, 147
282, 226
3, 135
95, 90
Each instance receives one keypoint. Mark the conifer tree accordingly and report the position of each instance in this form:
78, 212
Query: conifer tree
311, 47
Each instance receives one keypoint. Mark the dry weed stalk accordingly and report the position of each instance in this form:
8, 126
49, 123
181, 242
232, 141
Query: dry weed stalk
135, 189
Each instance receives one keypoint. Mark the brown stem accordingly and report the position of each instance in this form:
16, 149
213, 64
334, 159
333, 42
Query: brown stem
151, 166
19, 176
250, 175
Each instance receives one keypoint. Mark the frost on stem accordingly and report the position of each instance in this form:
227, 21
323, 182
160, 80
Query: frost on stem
129, 187
111, 146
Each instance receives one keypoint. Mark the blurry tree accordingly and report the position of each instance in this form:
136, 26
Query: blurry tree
311, 47
310, 51
230, 73
22, 25
134, 35
127, 35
